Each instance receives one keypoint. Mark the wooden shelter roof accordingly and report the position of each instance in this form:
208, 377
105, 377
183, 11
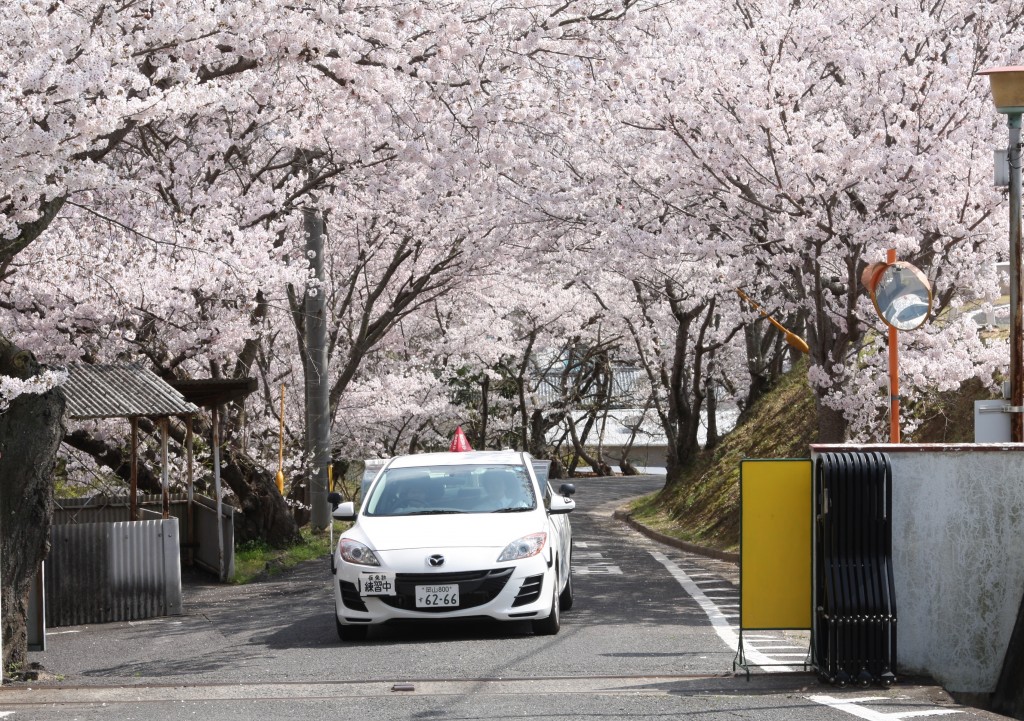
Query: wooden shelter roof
208, 392
121, 391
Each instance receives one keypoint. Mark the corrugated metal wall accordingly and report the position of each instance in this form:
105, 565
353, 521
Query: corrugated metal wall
101, 572
206, 554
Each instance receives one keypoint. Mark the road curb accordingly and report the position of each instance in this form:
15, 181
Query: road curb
627, 518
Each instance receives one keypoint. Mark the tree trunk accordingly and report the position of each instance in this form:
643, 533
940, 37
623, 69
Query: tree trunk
299, 508
30, 433
485, 389
557, 471
711, 403
680, 458
597, 465
265, 516
832, 424
627, 468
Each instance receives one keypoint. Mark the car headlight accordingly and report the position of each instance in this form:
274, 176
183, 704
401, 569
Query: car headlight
356, 552
524, 547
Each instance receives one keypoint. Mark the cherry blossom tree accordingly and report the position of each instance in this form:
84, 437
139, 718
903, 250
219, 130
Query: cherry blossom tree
825, 134
780, 139
180, 133
503, 186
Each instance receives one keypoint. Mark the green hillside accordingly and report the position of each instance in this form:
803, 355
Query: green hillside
705, 509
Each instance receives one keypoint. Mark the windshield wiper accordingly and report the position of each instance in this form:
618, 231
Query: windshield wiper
517, 509
436, 512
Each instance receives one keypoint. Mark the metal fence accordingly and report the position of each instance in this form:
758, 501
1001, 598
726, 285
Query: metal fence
198, 528
103, 567
101, 572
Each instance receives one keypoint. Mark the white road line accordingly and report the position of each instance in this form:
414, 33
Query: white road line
722, 627
778, 648
853, 707
597, 570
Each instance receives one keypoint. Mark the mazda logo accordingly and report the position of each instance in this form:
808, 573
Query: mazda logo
436, 560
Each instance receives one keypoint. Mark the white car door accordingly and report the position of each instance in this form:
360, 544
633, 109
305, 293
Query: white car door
562, 531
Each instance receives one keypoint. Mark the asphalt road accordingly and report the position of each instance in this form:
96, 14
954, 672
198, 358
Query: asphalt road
652, 636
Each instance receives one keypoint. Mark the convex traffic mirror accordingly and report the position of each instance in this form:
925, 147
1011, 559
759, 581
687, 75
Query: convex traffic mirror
901, 293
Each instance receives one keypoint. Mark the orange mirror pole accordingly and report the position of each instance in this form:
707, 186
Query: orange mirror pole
894, 372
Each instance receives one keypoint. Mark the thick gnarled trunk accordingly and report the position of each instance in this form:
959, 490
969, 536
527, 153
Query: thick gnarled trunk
265, 515
30, 433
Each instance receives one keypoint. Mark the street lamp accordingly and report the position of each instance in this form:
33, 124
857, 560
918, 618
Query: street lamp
1007, 85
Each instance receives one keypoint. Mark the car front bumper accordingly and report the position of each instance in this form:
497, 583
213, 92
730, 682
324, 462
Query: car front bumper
501, 591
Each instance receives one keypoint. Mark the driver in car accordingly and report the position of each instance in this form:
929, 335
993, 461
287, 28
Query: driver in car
416, 495
503, 490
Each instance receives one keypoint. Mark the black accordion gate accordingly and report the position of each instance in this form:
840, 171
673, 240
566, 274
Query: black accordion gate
855, 615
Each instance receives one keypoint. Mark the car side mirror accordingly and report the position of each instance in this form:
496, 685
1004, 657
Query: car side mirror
334, 499
561, 504
567, 489
345, 511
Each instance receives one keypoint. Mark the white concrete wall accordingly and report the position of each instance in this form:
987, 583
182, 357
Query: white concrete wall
958, 557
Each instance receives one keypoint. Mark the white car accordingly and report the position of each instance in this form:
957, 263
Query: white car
455, 535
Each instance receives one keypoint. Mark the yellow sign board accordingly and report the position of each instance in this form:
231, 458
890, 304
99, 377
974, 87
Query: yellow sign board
775, 544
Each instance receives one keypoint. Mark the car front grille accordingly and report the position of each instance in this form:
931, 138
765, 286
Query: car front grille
529, 591
475, 588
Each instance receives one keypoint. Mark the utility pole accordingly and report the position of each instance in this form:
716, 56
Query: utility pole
1007, 85
318, 422
1016, 330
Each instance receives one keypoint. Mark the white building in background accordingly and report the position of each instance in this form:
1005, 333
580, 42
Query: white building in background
649, 446
626, 423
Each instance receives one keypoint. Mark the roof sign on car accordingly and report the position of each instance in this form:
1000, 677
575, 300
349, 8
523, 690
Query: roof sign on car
459, 442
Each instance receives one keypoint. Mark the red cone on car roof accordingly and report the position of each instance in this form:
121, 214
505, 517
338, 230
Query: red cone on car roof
459, 442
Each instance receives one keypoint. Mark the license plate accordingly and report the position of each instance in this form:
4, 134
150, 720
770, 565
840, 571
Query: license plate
445, 596
376, 584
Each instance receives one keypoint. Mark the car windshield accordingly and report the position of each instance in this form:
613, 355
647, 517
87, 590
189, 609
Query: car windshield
428, 490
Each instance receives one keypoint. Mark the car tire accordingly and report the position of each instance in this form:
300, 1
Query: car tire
350, 633
566, 598
549, 626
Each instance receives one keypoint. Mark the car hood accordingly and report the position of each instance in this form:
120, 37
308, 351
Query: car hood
465, 530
